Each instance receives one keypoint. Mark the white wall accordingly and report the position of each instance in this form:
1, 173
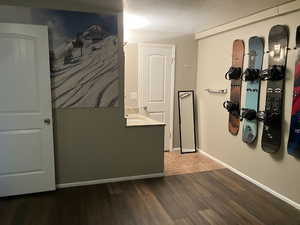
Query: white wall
131, 75
279, 171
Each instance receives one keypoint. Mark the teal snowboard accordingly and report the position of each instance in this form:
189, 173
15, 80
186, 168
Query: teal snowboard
251, 76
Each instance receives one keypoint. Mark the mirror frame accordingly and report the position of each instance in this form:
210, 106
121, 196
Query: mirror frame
179, 118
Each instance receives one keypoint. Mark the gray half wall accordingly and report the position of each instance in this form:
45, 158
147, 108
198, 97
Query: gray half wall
95, 144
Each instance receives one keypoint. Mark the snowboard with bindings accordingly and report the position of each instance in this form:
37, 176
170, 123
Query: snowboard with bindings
294, 136
234, 74
275, 76
251, 76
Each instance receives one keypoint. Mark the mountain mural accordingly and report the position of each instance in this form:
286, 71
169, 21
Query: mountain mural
84, 60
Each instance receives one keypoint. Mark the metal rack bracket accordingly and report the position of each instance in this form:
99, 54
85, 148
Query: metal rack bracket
213, 91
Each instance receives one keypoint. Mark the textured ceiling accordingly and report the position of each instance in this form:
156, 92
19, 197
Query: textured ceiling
178, 16
188, 16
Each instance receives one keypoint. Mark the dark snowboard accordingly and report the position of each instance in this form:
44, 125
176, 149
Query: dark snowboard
275, 74
234, 74
294, 137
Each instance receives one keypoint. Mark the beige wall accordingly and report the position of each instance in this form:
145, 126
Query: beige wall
185, 70
279, 171
93, 144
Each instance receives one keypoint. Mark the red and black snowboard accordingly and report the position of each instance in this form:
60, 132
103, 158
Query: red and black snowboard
234, 74
275, 76
294, 137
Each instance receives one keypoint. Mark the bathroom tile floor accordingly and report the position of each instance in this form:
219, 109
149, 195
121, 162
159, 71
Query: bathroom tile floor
176, 163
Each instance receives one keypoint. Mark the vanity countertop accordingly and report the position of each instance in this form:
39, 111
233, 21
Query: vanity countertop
134, 120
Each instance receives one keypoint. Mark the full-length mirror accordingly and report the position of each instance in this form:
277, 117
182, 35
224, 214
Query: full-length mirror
187, 121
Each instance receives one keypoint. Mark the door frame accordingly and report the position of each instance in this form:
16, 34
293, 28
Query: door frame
140, 82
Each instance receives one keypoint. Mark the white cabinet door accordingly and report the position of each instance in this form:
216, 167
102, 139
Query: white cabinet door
26, 133
156, 65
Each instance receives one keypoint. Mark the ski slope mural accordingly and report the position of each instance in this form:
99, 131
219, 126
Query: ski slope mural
83, 58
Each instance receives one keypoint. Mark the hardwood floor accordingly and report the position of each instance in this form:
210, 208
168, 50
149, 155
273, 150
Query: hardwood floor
207, 198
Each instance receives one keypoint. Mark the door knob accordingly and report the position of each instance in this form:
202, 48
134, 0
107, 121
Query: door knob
47, 121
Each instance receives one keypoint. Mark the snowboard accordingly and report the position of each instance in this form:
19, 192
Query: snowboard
294, 137
275, 76
251, 76
234, 74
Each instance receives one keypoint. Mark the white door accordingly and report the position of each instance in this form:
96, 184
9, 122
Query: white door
26, 138
156, 69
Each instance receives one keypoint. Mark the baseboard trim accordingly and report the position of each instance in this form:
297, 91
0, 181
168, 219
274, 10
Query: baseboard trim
264, 187
109, 180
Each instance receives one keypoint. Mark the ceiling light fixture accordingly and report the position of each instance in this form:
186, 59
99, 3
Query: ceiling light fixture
133, 22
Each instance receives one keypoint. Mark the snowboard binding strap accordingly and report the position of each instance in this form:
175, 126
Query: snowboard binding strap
251, 74
275, 72
248, 114
232, 108
234, 73
268, 117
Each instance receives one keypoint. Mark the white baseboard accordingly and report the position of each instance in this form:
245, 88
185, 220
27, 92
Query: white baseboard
176, 149
155, 175
109, 180
264, 187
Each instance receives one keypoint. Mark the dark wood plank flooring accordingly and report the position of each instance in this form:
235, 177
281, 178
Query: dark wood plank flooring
207, 198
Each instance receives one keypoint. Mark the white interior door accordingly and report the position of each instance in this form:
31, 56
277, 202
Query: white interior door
26, 138
156, 68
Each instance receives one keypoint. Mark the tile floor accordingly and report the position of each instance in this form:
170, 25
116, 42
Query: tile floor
176, 163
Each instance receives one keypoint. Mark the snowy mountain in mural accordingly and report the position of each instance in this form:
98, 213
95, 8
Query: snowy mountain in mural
84, 59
